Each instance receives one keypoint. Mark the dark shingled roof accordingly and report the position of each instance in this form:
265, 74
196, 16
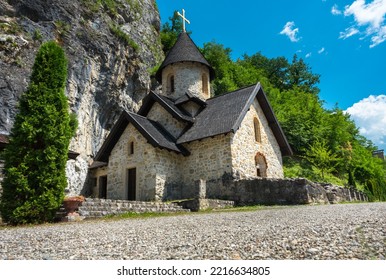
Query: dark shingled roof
189, 97
184, 50
97, 164
166, 103
151, 130
224, 114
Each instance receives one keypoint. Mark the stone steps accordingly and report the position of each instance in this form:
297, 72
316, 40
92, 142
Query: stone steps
96, 208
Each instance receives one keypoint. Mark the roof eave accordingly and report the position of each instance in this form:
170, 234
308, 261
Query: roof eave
274, 124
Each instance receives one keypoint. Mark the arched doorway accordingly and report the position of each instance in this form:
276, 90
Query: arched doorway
261, 165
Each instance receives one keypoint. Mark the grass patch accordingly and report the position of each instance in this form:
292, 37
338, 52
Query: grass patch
120, 34
10, 28
110, 6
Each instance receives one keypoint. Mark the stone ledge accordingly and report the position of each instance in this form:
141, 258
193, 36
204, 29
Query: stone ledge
198, 204
96, 208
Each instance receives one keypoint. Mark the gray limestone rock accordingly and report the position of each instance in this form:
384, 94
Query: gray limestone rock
107, 72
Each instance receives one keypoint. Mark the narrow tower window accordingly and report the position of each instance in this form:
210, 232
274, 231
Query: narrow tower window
205, 90
172, 83
170, 87
256, 125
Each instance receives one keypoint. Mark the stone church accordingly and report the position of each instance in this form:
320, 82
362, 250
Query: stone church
181, 136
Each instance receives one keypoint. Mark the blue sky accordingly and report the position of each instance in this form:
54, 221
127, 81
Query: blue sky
342, 40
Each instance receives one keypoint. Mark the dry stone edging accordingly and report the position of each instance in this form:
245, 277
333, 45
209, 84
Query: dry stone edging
97, 208
269, 191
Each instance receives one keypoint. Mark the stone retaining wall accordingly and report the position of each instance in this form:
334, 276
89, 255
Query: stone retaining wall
275, 191
93, 208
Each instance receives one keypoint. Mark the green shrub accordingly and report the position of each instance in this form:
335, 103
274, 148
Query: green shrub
35, 158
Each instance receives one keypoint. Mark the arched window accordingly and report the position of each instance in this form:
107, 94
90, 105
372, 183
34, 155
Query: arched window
261, 165
256, 125
205, 89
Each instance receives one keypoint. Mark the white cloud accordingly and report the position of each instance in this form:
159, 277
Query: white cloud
379, 37
322, 50
335, 10
364, 14
370, 17
348, 33
308, 55
290, 31
369, 114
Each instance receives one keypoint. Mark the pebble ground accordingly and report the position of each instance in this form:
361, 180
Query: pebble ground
340, 231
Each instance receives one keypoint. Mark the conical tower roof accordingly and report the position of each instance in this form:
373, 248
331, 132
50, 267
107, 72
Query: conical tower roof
184, 50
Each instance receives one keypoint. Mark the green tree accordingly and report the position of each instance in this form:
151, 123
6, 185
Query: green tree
35, 159
300, 75
219, 58
274, 69
300, 114
321, 157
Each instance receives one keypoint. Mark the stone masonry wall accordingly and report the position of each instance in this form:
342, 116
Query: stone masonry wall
192, 108
244, 147
155, 168
187, 78
95, 184
160, 115
167, 169
268, 191
209, 159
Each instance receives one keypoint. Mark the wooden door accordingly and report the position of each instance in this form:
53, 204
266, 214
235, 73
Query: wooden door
131, 183
103, 187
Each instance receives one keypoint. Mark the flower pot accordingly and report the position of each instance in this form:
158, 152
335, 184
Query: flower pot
71, 206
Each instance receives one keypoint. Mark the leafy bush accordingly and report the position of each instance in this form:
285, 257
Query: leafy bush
35, 159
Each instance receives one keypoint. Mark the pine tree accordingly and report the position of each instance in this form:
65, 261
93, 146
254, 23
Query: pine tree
35, 159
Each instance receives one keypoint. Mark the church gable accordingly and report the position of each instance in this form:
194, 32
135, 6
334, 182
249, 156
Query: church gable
255, 150
154, 133
152, 168
167, 104
158, 114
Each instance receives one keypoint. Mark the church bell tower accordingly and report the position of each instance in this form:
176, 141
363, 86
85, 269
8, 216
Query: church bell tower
185, 70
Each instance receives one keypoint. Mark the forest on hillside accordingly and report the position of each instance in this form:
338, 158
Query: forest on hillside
326, 143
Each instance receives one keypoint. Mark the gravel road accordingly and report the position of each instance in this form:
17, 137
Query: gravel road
341, 231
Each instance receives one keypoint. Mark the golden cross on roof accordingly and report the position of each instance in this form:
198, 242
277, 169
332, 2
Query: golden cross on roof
183, 19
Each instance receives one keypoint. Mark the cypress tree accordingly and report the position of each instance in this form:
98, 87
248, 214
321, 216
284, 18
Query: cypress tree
35, 159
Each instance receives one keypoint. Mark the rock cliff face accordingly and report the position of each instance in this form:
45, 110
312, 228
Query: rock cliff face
111, 46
